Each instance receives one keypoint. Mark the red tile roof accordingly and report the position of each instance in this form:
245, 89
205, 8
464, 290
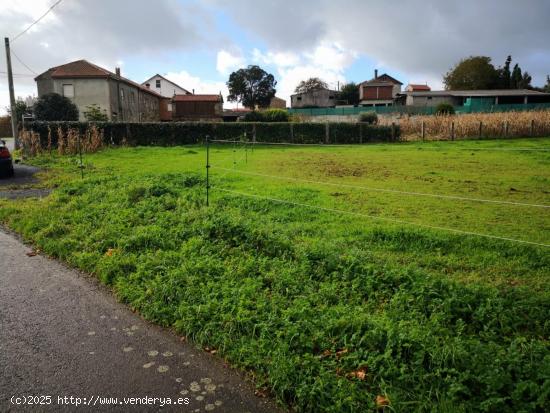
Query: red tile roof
419, 87
84, 69
197, 98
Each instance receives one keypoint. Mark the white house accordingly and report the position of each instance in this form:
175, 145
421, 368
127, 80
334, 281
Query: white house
164, 87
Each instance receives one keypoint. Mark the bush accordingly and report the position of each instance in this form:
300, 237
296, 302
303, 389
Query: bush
54, 107
254, 116
444, 109
275, 115
369, 117
95, 114
269, 115
189, 133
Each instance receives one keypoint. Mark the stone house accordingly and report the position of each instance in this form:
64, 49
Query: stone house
318, 98
86, 84
379, 91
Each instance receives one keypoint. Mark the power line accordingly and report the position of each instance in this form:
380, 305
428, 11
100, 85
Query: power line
358, 214
23, 63
16, 74
395, 191
36, 21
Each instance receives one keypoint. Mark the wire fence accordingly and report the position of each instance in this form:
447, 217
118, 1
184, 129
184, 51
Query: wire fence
352, 213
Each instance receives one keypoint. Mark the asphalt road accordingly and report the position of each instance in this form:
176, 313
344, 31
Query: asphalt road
64, 334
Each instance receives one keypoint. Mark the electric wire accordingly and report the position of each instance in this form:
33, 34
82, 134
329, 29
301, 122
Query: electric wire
36, 21
395, 191
399, 221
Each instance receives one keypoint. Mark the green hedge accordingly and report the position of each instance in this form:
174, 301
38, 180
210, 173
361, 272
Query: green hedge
185, 133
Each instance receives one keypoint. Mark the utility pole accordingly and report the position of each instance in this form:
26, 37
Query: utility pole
12, 95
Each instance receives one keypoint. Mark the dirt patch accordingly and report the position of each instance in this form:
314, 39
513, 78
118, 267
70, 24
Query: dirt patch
337, 168
25, 193
20, 185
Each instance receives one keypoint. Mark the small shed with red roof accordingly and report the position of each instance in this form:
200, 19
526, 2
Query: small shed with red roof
197, 107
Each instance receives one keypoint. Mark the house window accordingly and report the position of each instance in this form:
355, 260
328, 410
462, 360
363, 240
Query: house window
157, 83
299, 98
331, 97
68, 91
169, 107
121, 94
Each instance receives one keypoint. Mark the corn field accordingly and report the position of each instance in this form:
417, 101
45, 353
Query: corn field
476, 125
70, 142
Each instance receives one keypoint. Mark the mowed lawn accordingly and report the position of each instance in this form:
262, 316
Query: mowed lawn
340, 277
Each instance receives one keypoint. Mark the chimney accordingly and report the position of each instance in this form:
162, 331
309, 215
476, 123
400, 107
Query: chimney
117, 71
376, 73
193, 91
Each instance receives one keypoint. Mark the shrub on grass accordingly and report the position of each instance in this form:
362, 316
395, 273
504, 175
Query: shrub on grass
444, 109
369, 117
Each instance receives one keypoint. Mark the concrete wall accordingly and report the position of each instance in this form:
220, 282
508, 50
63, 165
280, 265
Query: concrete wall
86, 92
434, 101
317, 98
166, 88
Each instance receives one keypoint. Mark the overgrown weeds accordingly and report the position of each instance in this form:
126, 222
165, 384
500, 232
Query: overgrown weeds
322, 321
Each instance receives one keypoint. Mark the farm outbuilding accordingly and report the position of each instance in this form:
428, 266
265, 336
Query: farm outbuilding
477, 100
197, 107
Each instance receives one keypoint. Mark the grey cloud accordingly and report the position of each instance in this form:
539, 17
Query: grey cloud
104, 31
412, 36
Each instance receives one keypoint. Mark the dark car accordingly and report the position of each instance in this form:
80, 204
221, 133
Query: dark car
6, 162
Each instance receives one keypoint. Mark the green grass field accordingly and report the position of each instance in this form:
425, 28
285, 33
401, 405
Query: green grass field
327, 308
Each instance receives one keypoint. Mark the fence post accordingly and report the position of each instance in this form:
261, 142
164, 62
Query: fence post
423, 131
81, 166
207, 170
452, 130
327, 132
505, 128
234, 155
254, 133
532, 131
393, 131
480, 129
291, 125
360, 132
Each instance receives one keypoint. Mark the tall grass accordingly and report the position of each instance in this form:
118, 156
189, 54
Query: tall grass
68, 143
477, 125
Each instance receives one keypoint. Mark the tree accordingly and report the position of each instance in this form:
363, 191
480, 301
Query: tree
20, 109
350, 93
53, 106
313, 83
252, 87
473, 73
505, 74
94, 114
546, 87
516, 77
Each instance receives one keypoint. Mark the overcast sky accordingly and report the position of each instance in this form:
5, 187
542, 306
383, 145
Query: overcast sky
198, 43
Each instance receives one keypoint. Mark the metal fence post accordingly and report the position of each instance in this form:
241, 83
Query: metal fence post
480, 129
452, 130
393, 131
532, 131
327, 133
207, 170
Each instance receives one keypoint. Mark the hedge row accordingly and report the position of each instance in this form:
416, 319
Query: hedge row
183, 133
